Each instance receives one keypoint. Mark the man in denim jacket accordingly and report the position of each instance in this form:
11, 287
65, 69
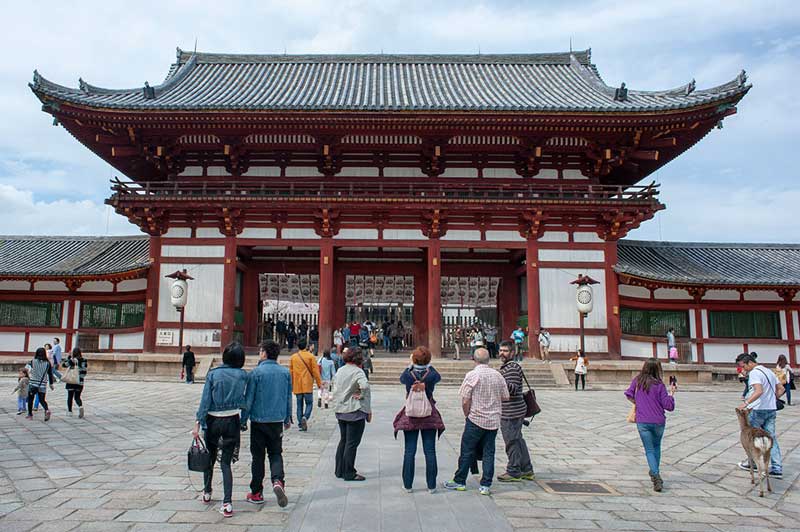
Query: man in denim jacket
268, 404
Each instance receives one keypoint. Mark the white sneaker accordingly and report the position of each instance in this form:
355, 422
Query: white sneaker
226, 509
409, 490
484, 490
432, 491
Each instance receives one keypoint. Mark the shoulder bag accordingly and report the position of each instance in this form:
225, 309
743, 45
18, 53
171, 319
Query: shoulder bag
531, 406
779, 403
71, 376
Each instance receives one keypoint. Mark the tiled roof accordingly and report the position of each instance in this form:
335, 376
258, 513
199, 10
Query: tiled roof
513, 82
694, 263
65, 256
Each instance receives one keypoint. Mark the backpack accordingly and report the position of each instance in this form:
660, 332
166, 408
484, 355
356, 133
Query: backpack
417, 403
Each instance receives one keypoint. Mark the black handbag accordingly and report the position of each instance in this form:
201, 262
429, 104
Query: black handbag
198, 457
531, 406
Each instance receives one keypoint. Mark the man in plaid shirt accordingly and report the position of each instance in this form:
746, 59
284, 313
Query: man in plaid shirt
482, 394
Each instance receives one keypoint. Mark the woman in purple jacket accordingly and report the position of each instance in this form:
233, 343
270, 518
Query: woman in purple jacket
648, 393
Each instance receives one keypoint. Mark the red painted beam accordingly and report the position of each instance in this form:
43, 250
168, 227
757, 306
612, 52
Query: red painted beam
228, 291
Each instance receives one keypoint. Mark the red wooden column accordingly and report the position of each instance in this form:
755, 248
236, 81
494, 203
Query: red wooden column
151, 301
420, 308
612, 302
339, 295
251, 293
790, 337
534, 312
698, 326
228, 291
509, 304
71, 325
326, 293
434, 306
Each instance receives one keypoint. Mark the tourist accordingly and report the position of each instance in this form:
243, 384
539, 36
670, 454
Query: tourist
387, 338
268, 406
761, 399
313, 339
351, 398
74, 391
458, 338
291, 336
476, 341
336, 357
650, 397
783, 371
482, 394
672, 350
327, 372
269, 329
338, 339
514, 409
544, 344
367, 364
491, 340
41, 370
305, 371
355, 330
396, 333
218, 416
581, 369
302, 331
56, 355
22, 390
281, 329
518, 336
345, 336
420, 373
188, 364
363, 338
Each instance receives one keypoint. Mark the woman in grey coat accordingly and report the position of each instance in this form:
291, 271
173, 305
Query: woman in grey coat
351, 399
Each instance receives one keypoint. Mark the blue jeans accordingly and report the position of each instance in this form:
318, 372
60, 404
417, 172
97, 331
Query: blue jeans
386, 342
476, 443
429, 448
651, 434
765, 419
22, 402
308, 398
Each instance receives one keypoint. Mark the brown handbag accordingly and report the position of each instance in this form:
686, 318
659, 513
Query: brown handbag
531, 405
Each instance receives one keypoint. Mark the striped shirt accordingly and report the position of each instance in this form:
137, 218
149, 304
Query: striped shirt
486, 389
41, 373
515, 407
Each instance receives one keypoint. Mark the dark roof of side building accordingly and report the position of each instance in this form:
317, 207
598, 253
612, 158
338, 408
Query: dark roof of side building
710, 264
72, 256
566, 81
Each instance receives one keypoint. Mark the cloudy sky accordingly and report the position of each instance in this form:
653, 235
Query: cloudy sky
739, 184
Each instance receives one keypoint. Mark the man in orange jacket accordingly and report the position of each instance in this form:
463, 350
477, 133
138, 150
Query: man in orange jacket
304, 371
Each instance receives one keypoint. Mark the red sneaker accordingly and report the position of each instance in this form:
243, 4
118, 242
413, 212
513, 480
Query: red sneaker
255, 498
226, 509
206, 498
280, 493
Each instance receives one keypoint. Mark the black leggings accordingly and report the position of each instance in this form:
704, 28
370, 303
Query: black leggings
583, 380
74, 393
33, 392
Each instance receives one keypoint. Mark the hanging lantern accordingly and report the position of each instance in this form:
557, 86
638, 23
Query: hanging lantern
179, 290
584, 295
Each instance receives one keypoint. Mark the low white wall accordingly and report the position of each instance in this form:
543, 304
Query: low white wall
128, 341
722, 352
193, 337
634, 348
12, 341
571, 342
768, 353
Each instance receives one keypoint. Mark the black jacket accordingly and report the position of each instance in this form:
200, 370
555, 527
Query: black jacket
188, 359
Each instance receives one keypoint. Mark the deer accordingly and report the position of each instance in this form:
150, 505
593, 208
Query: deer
757, 444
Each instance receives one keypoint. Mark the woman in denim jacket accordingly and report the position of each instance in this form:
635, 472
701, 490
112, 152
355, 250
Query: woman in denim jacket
218, 416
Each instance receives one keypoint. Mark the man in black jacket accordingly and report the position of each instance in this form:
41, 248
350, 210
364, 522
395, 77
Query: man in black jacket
189, 364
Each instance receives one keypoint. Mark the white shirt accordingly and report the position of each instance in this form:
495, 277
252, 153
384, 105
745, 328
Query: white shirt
769, 383
544, 339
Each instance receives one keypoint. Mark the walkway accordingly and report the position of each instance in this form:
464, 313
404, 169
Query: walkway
123, 468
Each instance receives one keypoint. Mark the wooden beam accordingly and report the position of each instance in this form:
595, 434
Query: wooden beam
124, 151
664, 142
645, 155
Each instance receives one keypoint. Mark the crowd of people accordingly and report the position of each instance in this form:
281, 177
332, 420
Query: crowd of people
42, 372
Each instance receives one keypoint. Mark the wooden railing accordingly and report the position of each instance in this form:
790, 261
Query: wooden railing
362, 189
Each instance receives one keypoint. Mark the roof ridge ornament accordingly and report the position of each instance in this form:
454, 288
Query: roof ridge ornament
741, 79
690, 87
621, 94
148, 92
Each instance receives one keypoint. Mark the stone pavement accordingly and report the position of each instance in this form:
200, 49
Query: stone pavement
123, 468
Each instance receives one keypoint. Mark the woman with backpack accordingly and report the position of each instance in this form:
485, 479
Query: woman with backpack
783, 371
419, 416
74, 390
41, 375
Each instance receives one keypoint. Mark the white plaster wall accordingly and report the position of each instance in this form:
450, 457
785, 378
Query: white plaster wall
302, 171
192, 171
216, 171
132, 286
403, 234
299, 233
258, 232
547, 173
192, 251
634, 291
128, 341
403, 172
54, 286
504, 236
500, 172
360, 234
555, 236
723, 352
65, 313
361, 171
557, 299
768, 353
694, 352
573, 255
784, 332
76, 322
761, 295
263, 171
103, 341
205, 293
796, 324
581, 236
722, 295
692, 321
462, 235
208, 232
178, 232
573, 174
671, 293
97, 286
459, 172
632, 348
193, 337
39, 339
571, 343
12, 341
704, 322
15, 285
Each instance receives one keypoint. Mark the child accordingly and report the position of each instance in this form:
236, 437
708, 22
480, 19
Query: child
22, 390
327, 371
581, 369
